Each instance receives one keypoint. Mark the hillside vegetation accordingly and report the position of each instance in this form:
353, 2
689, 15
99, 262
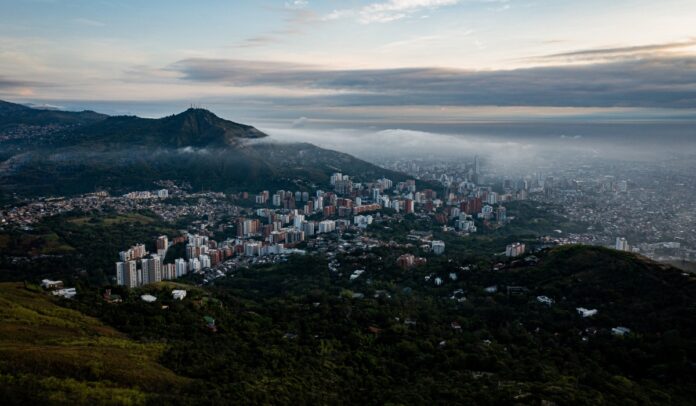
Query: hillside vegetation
125, 153
296, 333
51, 354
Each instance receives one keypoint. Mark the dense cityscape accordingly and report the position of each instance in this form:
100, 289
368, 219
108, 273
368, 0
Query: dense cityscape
621, 206
648, 203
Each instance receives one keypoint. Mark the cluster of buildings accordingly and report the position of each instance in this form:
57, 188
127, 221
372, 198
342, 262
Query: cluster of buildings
652, 202
515, 250
57, 288
158, 194
137, 267
409, 261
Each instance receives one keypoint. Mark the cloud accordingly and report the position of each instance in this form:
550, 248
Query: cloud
297, 19
88, 22
613, 53
10, 87
374, 145
300, 122
296, 4
8, 83
391, 10
658, 82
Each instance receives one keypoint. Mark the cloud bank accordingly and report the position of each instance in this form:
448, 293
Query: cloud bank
668, 82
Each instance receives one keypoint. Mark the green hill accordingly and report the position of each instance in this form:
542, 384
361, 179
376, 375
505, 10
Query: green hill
295, 333
195, 128
197, 147
12, 114
50, 354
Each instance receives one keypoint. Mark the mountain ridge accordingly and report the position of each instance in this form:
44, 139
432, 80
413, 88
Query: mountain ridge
190, 128
12, 114
123, 153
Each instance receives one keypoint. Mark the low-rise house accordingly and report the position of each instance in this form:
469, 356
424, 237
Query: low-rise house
356, 274
545, 300
586, 312
178, 294
67, 293
49, 284
111, 298
620, 331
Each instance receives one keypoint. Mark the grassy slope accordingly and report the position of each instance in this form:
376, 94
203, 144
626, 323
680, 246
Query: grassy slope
52, 353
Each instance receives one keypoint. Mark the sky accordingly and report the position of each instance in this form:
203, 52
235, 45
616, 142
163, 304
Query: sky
422, 65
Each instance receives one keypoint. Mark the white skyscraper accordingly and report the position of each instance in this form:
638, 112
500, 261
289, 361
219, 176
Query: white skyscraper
438, 247
205, 261
297, 222
126, 274
120, 274
622, 244
194, 265
181, 267
154, 269
145, 271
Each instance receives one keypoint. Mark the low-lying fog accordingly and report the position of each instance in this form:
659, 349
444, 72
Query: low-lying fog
508, 144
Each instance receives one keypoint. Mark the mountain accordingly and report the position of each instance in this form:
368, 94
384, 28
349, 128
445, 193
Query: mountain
196, 147
195, 128
12, 115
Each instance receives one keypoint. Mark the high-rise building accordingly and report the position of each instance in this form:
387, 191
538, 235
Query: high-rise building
362, 221
395, 205
252, 249
298, 220
162, 244
133, 253
168, 271
622, 244
127, 274
308, 228
326, 226
294, 236
438, 247
336, 177
120, 273
132, 280
205, 261
409, 206
501, 215
154, 269
515, 249
492, 198
145, 272
487, 212
181, 267
194, 265
344, 186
